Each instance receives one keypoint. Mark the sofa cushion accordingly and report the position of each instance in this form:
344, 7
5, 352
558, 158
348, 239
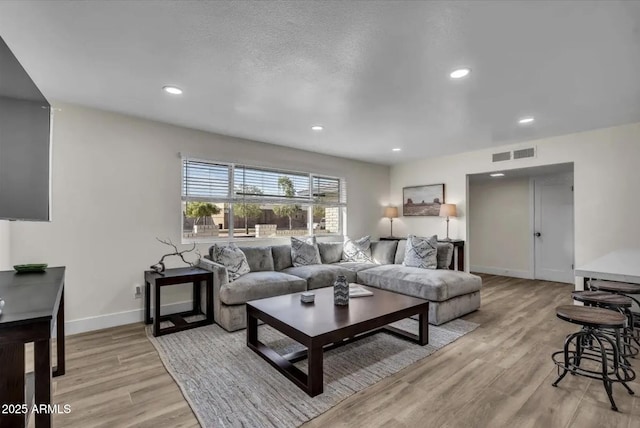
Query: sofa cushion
330, 252
230, 257
356, 266
318, 276
431, 284
259, 258
444, 255
304, 251
357, 250
384, 252
281, 256
401, 249
258, 285
421, 252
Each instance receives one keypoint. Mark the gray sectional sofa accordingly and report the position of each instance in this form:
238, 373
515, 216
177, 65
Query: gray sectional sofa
451, 293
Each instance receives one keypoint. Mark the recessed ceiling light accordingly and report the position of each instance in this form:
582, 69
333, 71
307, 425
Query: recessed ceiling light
526, 120
173, 90
397, 149
460, 73
317, 127
497, 174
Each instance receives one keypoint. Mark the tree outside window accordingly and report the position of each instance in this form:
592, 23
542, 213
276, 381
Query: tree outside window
201, 211
286, 185
248, 210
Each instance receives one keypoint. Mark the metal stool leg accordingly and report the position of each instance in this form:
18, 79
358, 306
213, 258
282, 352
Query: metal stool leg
605, 375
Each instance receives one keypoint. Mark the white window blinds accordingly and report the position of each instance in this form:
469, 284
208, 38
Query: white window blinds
205, 181
218, 182
267, 185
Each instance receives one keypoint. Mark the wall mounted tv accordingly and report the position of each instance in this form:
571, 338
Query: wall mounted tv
25, 143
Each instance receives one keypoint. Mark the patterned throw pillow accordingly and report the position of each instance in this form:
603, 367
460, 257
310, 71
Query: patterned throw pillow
232, 258
421, 252
305, 251
357, 251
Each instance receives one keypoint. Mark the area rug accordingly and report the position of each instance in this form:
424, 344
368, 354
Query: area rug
228, 385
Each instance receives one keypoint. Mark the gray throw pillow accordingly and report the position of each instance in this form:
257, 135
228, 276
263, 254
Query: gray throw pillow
421, 252
445, 255
357, 251
304, 251
232, 258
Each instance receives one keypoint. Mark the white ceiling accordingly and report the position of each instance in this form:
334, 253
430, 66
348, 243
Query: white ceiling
375, 74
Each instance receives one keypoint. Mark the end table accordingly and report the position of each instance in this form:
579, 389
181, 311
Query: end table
172, 277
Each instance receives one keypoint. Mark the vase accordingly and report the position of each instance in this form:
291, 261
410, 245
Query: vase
341, 291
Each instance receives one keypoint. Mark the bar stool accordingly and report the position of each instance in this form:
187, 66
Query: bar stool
623, 288
590, 344
615, 302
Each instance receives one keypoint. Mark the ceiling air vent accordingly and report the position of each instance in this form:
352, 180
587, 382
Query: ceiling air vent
499, 157
524, 153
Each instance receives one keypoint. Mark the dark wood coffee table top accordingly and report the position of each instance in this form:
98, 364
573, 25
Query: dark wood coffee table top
590, 316
323, 316
602, 297
618, 287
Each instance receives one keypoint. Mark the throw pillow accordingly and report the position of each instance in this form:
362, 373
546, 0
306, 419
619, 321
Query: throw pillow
421, 252
357, 251
304, 251
445, 254
232, 258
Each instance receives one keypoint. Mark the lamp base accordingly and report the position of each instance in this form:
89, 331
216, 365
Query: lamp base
447, 239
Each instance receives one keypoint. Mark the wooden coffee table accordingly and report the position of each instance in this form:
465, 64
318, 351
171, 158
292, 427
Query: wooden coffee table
321, 326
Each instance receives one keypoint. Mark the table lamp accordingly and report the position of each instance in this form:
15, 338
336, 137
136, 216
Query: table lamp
391, 213
448, 210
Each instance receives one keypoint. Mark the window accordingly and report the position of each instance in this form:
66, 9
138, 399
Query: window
239, 201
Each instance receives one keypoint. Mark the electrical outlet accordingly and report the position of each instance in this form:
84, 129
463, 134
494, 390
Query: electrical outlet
137, 292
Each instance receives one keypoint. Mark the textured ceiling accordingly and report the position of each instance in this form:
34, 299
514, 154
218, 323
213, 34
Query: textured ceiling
375, 74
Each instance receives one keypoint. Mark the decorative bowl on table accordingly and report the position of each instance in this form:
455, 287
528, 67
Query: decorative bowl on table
30, 268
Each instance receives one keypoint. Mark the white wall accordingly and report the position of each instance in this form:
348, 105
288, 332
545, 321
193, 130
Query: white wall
606, 172
5, 245
116, 187
499, 226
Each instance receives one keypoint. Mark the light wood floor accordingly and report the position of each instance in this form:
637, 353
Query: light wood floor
498, 375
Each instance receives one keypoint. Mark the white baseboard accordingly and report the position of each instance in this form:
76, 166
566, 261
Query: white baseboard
99, 322
514, 273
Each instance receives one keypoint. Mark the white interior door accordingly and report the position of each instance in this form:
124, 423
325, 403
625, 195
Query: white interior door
553, 228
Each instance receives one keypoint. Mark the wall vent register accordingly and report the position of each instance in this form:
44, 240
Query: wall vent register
529, 152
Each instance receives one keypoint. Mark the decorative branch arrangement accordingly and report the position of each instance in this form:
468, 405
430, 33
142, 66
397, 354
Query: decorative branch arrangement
159, 267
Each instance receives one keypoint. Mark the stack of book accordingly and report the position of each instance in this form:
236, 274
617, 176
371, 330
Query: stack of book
307, 297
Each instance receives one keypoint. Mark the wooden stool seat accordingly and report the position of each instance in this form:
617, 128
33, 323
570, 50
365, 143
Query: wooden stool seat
591, 316
616, 287
603, 298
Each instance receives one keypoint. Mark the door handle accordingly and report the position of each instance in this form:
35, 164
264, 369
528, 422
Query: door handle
538, 234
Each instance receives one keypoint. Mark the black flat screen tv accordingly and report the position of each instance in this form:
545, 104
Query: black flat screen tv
25, 143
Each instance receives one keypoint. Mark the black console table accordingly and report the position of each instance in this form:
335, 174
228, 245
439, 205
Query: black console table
33, 302
458, 248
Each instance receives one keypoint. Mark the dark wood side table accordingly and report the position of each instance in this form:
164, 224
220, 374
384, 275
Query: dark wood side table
458, 248
172, 277
33, 303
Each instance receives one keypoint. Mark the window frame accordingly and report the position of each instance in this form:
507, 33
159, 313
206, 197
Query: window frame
307, 204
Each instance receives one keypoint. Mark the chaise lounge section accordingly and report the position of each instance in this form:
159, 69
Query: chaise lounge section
451, 293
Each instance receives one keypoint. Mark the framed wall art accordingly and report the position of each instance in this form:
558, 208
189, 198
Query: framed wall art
422, 200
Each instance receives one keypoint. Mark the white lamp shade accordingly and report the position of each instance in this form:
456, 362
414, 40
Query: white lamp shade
391, 212
448, 210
